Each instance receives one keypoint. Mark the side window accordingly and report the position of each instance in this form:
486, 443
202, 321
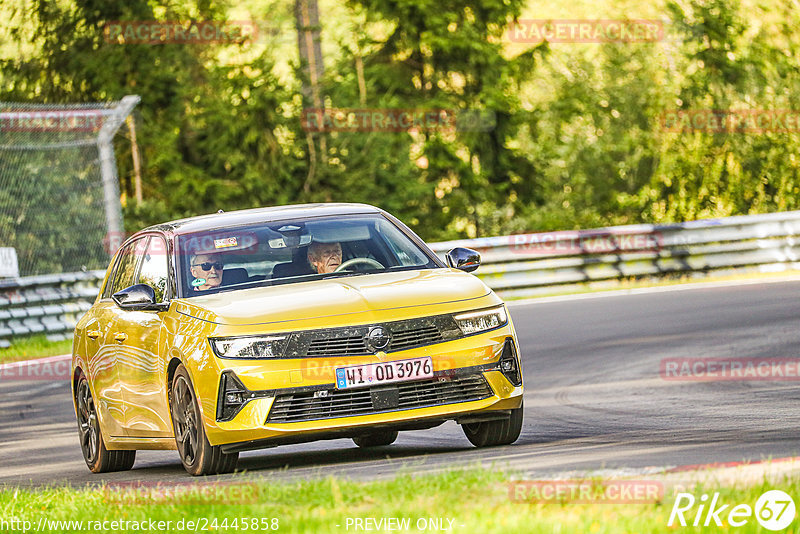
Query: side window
126, 268
109, 280
154, 271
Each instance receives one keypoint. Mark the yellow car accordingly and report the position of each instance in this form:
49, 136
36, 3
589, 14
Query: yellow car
250, 329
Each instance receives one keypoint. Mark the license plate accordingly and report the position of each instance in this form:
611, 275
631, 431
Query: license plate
383, 373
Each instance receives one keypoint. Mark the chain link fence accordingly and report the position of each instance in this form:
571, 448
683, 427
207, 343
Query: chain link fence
59, 192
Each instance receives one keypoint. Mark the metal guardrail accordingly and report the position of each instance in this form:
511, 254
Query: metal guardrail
515, 266
48, 304
534, 264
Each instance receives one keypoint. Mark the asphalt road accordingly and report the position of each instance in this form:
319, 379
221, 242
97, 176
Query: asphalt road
594, 399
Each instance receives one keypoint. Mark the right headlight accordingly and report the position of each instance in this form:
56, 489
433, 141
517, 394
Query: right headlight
249, 347
481, 320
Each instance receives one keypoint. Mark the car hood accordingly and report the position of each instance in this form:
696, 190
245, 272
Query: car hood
335, 297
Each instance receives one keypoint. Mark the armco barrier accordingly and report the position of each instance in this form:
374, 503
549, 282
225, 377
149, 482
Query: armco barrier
48, 304
533, 264
515, 266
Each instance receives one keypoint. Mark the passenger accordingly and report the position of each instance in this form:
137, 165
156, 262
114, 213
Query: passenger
325, 257
206, 272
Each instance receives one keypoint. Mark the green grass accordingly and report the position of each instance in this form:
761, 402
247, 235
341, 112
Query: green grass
34, 347
476, 499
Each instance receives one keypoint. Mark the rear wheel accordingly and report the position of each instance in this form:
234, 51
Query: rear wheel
198, 456
491, 433
97, 457
376, 439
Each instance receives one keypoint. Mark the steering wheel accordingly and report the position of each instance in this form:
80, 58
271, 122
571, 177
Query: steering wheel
353, 261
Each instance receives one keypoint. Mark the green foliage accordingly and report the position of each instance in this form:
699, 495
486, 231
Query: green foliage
729, 66
598, 132
207, 131
578, 139
449, 56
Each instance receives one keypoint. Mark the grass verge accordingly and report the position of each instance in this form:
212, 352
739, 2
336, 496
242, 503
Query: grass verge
466, 501
34, 347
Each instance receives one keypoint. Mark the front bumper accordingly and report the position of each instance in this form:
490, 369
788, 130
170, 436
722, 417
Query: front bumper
468, 383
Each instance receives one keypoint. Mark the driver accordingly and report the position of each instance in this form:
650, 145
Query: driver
325, 257
206, 271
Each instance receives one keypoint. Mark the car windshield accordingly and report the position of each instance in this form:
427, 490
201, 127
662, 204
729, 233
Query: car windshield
296, 250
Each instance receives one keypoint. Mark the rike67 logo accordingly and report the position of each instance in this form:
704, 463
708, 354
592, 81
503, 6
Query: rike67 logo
774, 510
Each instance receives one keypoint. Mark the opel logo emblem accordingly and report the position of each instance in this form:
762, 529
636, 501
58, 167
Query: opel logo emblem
378, 338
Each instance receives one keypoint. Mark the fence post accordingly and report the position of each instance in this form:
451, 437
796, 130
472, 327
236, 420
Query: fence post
108, 169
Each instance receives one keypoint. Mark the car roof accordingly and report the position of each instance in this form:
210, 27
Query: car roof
257, 215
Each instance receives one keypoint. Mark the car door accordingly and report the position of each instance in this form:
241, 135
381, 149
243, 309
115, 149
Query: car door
141, 370
102, 345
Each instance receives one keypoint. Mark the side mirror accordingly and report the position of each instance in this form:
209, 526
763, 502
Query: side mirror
465, 259
137, 297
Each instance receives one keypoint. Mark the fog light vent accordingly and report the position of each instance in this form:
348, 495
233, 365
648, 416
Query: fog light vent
509, 363
232, 396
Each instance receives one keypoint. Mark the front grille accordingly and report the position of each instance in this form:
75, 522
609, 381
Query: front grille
351, 340
344, 346
416, 336
408, 395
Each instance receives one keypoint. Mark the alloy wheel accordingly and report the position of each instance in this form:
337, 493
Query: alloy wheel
186, 430
88, 425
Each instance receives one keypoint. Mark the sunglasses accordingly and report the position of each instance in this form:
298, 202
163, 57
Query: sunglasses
207, 266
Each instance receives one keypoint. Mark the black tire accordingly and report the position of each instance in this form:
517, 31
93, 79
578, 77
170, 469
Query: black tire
97, 457
492, 433
376, 439
198, 456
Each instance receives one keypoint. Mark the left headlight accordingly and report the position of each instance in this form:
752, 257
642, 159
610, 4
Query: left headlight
481, 320
249, 347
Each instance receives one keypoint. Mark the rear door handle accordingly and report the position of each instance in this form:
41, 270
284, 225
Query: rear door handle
120, 337
94, 334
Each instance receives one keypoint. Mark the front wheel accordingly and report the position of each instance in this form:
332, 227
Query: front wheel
491, 433
198, 456
97, 457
